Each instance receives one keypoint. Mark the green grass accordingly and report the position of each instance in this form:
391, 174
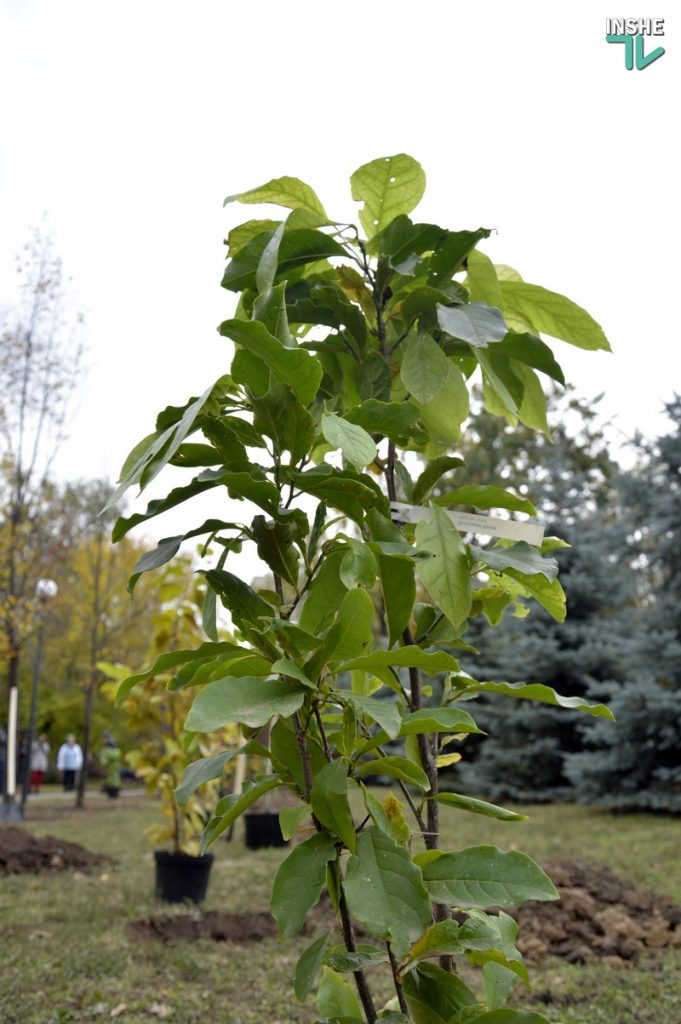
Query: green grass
66, 956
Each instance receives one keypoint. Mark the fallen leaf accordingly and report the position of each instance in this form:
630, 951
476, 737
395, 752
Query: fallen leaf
118, 1010
161, 1010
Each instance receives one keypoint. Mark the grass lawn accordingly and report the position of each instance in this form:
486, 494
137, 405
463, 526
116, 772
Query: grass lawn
65, 955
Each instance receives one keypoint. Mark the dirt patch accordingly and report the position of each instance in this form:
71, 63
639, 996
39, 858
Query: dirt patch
212, 924
598, 915
22, 853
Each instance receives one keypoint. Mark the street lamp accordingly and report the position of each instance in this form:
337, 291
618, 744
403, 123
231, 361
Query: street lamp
45, 591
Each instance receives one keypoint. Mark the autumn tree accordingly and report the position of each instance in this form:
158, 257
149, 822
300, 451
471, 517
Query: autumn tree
40, 363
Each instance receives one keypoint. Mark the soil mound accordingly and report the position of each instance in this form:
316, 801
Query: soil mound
22, 853
213, 924
598, 915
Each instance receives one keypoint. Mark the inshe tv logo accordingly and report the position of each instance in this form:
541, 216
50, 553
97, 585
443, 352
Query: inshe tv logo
632, 32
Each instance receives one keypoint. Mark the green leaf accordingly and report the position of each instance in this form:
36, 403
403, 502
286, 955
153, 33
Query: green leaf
389, 419
289, 192
426, 720
242, 485
243, 602
142, 468
443, 414
291, 818
247, 700
498, 982
350, 635
434, 996
451, 253
533, 352
329, 799
388, 187
357, 446
507, 388
395, 768
385, 892
274, 544
286, 757
553, 314
232, 807
435, 469
242, 662
470, 803
335, 997
162, 553
485, 496
207, 768
209, 614
343, 960
279, 415
399, 593
324, 595
175, 497
308, 967
484, 876
409, 656
445, 574
358, 567
520, 556
295, 367
475, 322
549, 594
172, 659
290, 668
375, 379
299, 881
238, 236
424, 368
267, 267
326, 304
298, 247
349, 492
532, 411
384, 713
481, 280
540, 693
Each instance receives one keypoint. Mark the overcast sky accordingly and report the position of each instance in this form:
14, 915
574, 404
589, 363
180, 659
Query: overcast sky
129, 123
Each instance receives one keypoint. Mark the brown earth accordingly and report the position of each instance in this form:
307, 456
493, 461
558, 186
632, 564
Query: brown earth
22, 853
212, 924
598, 915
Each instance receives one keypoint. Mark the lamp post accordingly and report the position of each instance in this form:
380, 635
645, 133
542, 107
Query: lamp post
45, 591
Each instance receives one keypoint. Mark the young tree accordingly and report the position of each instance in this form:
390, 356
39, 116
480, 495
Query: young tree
40, 361
361, 345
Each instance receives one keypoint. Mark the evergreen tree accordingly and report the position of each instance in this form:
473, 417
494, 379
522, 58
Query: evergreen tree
525, 757
637, 765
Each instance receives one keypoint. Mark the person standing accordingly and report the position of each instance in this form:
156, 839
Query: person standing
70, 761
40, 751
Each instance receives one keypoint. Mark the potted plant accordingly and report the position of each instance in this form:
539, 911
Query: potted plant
162, 754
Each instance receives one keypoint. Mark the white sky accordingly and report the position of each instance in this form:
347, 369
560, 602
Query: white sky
129, 123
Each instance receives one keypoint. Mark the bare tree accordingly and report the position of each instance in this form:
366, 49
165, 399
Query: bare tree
40, 364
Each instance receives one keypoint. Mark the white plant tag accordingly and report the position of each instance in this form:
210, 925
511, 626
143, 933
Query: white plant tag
466, 522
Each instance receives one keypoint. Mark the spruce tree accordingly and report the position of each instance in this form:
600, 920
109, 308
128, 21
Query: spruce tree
637, 765
524, 758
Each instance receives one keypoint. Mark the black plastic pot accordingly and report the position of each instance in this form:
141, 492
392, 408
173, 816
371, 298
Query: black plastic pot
111, 791
262, 829
181, 877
